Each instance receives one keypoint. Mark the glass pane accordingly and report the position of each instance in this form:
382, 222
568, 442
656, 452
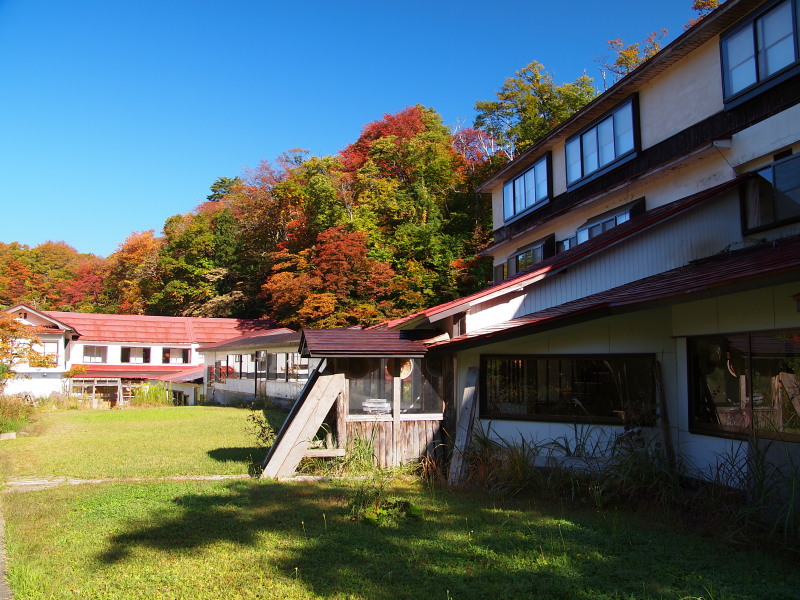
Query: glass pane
720, 386
787, 189
370, 386
623, 217
508, 200
775, 40
589, 143
623, 130
541, 181
573, 152
519, 194
524, 260
530, 188
775, 363
605, 138
739, 60
582, 235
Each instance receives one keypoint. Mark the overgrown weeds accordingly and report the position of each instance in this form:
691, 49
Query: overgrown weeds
747, 497
154, 394
15, 412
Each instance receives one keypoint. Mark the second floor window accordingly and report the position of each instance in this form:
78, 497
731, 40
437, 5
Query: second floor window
527, 190
94, 354
761, 48
175, 355
135, 355
602, 144
772, 198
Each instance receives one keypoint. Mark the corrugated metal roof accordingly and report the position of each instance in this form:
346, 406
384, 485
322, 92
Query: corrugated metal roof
320, 343
557, 263
157, 330
768, 264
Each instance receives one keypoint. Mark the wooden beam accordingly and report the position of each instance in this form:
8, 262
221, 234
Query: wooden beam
324, 452
466, 421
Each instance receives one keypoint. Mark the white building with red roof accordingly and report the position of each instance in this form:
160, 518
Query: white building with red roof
107, 356
647, 260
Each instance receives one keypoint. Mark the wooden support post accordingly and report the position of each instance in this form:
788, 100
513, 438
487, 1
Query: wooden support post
466, 420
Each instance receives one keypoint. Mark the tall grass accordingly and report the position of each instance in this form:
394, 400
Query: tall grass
15, 412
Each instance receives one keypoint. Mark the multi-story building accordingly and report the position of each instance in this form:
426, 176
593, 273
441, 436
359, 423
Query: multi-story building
646, 261
106, 357
646, 254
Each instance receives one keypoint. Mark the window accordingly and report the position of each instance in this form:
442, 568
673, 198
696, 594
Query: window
527, 190
372, 383
772, 198
175, 355
598, 389
601, 145
601, 223
135, 355
526, 257
745, 384
761, 48
50, 349
94, 354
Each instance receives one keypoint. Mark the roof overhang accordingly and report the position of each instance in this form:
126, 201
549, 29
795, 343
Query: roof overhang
752, 268
368, 343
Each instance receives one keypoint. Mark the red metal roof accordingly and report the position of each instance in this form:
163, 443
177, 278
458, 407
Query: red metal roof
768, 264
317, 343
160, 372
555, 264
157, 330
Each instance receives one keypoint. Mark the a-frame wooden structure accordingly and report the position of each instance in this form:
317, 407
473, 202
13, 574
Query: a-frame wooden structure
293, 441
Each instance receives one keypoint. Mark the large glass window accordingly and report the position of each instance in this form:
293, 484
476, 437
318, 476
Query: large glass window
745, 384
373, 384
761, 48
602, 144
527, 190
600, 389
773, 197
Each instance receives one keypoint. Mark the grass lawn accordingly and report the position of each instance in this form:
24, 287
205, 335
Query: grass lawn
156, 442
253, 539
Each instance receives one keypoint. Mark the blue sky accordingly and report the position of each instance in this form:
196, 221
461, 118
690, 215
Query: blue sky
115, 115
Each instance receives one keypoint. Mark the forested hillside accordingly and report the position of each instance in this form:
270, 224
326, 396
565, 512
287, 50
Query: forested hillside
389, 225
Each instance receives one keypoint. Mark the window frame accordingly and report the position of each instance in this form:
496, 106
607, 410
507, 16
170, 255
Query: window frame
547, 166
619, 158
693, 369
761, 83
746, 201
126, 352
543, 417
547, 247
98, 352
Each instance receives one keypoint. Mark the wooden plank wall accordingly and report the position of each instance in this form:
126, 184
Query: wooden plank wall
415, 439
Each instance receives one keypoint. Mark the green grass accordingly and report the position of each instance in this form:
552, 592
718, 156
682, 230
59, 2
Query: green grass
158, 442
252, 539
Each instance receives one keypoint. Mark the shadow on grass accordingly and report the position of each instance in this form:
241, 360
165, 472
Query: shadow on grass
246, 456
463, 547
